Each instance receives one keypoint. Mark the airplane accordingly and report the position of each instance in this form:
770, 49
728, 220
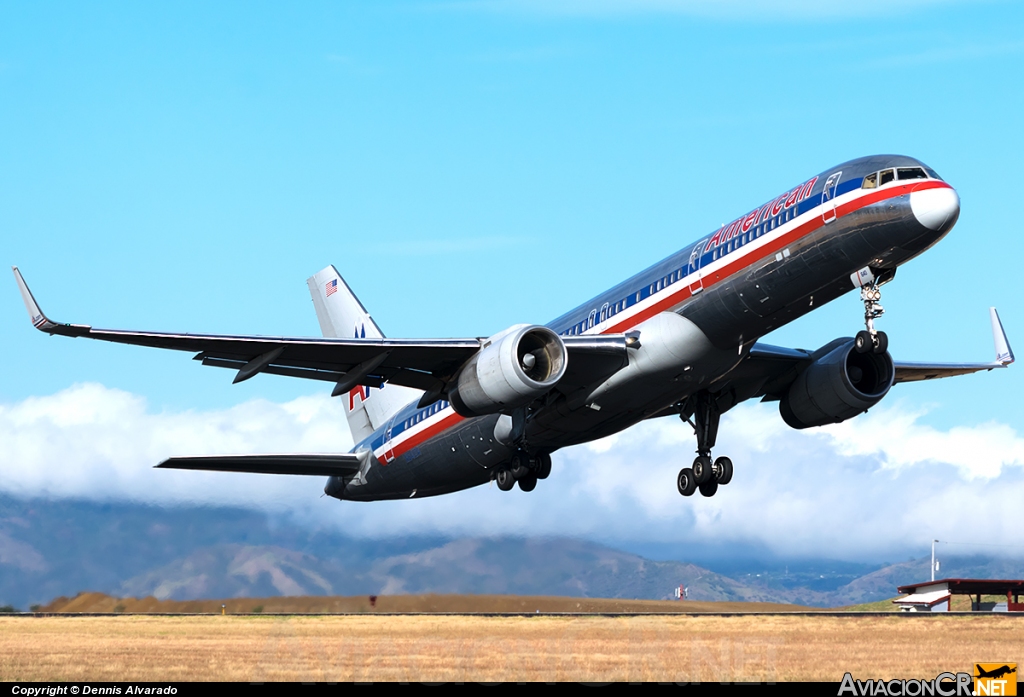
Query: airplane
995, 673
430, 417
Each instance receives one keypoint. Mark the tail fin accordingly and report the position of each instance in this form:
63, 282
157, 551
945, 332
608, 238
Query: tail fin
341, 315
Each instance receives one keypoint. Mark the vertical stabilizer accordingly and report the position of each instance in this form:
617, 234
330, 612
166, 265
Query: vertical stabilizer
341, 316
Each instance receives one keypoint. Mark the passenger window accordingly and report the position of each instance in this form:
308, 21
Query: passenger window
887, 175
870, 181
911, 173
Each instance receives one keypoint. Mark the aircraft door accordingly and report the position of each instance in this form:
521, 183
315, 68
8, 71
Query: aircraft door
828, 197
389, 449
696, 283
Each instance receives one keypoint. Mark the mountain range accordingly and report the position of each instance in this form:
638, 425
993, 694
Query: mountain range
50, 548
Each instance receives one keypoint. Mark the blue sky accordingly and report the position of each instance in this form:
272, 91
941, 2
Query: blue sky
471, 165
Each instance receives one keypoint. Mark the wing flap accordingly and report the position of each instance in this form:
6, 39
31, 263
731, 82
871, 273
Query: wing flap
915, 372
310, 465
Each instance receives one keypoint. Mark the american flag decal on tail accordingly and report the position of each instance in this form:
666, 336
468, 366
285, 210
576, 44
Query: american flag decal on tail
332, 287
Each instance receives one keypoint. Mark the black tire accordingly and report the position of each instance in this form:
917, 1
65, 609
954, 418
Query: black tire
883, 342
543, 466
709, 488
528, 483
723, 470
505, 480
520, 464
685, 482
702, 471
862, 343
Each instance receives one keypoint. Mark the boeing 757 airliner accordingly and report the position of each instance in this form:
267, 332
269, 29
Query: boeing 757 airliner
430, 417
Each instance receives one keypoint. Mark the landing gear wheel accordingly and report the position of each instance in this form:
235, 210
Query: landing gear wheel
505, 479
723, 470
520, 464
863, 343
709, 488
882, 342
702, 469
543, 466
528, 483
685, 482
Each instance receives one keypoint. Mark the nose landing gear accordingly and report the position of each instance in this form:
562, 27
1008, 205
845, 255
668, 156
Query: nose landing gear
869, 339
705, 475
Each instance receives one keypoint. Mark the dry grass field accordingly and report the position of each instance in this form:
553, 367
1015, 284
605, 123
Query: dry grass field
464, 648
314, 604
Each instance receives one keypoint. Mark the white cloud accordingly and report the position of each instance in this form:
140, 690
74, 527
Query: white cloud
92, 441
884, 482
894, 434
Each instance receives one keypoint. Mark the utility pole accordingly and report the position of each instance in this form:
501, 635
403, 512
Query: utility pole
933, 559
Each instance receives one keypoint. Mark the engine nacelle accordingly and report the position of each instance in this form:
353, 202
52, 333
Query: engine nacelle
514, 368
837, 386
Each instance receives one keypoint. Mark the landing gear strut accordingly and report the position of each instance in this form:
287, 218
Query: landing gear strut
705, 474
870, 339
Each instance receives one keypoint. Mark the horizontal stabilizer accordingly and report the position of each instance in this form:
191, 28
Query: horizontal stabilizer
311, 465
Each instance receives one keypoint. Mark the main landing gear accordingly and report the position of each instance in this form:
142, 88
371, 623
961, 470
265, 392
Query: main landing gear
524, 469
706, 474
869, 340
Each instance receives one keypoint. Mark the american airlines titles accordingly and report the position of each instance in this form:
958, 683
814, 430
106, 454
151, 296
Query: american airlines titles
759, 215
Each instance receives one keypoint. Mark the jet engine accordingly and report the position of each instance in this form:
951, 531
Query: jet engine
837, 386
513, 368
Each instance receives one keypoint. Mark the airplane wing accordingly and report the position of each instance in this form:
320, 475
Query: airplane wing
776, 367
768, 371
421, 364
911, 372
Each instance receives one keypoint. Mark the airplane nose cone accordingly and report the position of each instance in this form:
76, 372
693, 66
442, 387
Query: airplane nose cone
936, 209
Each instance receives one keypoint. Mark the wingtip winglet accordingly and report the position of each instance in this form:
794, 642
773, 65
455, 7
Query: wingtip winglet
39, 320
1004, 354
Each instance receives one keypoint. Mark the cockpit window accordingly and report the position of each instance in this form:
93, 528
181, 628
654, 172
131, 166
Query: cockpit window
887, 175
870, 181
911, 173
932, 174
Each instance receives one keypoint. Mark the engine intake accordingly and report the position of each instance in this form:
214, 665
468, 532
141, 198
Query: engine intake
514, 368
837, 386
